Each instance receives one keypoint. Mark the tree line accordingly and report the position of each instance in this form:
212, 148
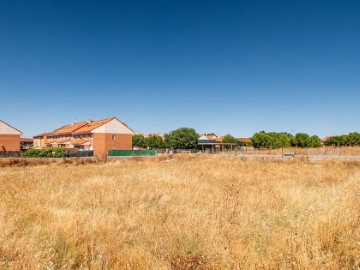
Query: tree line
187, 138
351, 139
274, 140
181, 138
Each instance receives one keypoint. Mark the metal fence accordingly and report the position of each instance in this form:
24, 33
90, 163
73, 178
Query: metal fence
8, 154
129, 153
79, 153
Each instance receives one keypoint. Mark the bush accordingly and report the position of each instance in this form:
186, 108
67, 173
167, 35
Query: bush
45, 153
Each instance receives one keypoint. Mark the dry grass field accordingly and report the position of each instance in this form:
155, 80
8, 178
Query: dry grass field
189, 212
322, 151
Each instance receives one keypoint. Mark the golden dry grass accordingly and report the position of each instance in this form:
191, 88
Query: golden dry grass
190, 212
322, 151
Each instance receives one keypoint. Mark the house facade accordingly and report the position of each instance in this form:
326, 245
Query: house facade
9, 138
99, 136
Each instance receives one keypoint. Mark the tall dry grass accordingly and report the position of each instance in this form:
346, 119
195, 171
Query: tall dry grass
190, 212
321, 151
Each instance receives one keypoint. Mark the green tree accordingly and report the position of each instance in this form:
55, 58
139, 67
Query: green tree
353, 139
261, 140
166, 141
139, 140
315, 141
282, 140
230, 139
337, 141
183, 138
155, 141
302, 140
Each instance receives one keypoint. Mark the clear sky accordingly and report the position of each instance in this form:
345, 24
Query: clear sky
218, 66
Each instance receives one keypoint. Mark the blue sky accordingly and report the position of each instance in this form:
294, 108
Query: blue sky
219, 66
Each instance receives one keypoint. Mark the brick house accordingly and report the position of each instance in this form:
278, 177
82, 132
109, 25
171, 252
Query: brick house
40, 140
99, 136
9, 138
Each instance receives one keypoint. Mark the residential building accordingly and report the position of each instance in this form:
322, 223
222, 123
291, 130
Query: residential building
26, 144
40, 140
206, 137
99, 136
245, 141
9, 138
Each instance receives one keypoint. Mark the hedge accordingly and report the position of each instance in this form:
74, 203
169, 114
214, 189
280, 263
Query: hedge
45, 153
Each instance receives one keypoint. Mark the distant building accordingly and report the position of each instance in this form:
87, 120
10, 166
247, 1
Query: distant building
245, 141
207, 137
40, 140
99, 136
9, 138
26, 144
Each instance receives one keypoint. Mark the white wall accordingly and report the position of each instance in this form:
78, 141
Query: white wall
114, 127
5, 129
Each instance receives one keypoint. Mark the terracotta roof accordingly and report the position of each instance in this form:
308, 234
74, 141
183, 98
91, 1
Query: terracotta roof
83, 127
9, 126
60, 141
89, 126
42, 134
69, 128
244, 140
219, 139
81, 141
26, 140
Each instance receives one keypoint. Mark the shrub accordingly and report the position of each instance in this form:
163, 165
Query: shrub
45, 153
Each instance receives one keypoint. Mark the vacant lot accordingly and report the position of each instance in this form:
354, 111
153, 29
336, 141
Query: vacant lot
183, 213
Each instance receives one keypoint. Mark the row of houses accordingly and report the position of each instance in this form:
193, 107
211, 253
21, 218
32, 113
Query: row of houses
98, 136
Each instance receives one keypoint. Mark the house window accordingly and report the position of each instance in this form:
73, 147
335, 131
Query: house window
113, 137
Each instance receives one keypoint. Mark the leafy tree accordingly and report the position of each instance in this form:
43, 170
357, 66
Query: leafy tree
315, 141
353, 139
139, 140
155, 141
282, 140
302, 140
166, 141
230, 139
183, 138
337, 141
261, 140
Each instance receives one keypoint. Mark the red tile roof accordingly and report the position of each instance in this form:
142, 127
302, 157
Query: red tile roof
42, 134
219, 139
79, 141
244, 140
26, 140
81, 127
91, 125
